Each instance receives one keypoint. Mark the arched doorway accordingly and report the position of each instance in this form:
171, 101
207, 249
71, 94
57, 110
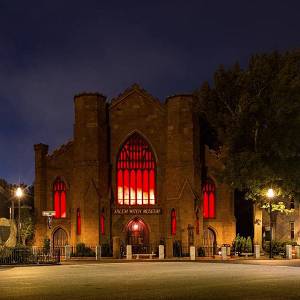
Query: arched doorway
209, 242
60, 240
138, 236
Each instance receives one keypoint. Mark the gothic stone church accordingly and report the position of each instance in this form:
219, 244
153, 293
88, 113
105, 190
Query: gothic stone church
136, 172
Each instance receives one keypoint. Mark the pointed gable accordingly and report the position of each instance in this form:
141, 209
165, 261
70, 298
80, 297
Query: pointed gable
136, 92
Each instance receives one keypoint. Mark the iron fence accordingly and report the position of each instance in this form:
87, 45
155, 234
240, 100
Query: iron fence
180, 249
208, 251
82, 250
145, 249
12, 256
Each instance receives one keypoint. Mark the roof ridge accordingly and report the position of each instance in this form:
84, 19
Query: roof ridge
62, 148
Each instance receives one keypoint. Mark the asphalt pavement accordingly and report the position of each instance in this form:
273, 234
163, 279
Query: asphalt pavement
151, 280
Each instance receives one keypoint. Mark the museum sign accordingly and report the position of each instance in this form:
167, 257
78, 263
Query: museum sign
137, 211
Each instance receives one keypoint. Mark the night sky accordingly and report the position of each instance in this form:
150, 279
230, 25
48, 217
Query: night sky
51, 50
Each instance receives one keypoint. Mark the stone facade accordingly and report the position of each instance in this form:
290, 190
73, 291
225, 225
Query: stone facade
87, 165
286, 227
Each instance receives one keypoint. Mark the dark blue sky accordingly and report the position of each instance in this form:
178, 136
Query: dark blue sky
51, 50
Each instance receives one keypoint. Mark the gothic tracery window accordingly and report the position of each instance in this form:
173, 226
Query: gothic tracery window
209, 199
136, 171
59, 194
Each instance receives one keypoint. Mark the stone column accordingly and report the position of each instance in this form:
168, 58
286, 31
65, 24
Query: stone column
224, 253
288, 249
193, 252
98, 252
297, 248
257, 221
129, 252
116, 247
228, 250
161, 251
257, 251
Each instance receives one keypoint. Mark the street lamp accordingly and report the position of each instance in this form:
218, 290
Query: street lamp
270, 195
19, 194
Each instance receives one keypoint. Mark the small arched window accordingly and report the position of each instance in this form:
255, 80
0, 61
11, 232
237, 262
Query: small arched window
102, 224
78, 222
136, 171
209, 199
173, 222
59, 194
197, 221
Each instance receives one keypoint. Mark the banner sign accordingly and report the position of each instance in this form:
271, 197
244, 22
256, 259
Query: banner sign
137, 211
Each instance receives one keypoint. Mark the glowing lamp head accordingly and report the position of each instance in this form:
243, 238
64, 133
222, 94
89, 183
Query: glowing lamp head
19, 192
135, 226
270, 193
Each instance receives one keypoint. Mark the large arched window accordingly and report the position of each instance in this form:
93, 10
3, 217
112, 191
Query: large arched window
59, 194
209, 199
136, 171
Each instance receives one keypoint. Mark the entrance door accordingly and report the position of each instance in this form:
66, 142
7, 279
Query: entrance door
209, 242
60, 240
138, 236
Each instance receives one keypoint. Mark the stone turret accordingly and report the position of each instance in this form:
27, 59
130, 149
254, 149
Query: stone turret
182, 170
90, 173
40, 189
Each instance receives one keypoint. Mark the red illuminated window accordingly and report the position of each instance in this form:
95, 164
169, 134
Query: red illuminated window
173, 222
209, 199
102, 224
136, 171
59, 194
78, 222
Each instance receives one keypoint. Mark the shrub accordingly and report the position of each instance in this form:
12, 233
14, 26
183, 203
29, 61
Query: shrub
105, 250
278, 247
242, 245
249, 245
236, 244
82, 250
201, 252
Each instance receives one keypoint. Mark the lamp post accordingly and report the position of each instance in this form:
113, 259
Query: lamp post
270, 195
19, 194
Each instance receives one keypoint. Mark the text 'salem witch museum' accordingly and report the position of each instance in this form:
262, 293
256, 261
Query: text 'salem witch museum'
136, 172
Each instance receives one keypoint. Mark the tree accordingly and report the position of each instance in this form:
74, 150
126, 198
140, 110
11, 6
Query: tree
255, 113
27, 226
4, 199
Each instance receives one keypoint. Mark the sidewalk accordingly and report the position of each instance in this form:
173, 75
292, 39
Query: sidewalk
238, 260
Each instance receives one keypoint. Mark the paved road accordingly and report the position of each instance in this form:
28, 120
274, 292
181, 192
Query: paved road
151, 280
